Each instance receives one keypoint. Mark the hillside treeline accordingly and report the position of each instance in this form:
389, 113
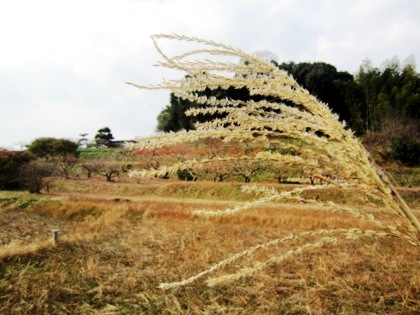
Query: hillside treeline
366, 100
380, 105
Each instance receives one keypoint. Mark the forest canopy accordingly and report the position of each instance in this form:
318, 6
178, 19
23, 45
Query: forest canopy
366, 100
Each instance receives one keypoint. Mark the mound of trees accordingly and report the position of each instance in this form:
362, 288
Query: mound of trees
52, 147
62, 154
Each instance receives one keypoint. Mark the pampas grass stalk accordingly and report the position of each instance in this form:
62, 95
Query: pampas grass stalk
285, 111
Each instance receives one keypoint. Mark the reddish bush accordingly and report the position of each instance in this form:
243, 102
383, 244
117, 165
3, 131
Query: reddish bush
10, 165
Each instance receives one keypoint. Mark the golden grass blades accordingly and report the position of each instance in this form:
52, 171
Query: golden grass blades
278, 109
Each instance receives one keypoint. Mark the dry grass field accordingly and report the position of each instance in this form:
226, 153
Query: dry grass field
118, 241
341, 242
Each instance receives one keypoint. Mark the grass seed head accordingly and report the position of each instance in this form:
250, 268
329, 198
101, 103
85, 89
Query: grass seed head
284, 110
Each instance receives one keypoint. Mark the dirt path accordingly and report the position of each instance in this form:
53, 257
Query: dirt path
223, 204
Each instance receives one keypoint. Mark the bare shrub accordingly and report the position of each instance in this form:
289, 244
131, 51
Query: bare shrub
36, 175
397, 139
65, 164
108, 170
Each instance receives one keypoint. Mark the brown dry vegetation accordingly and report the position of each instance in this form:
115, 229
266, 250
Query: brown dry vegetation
118, 241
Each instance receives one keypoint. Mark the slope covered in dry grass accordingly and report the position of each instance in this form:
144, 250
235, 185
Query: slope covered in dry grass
115, 249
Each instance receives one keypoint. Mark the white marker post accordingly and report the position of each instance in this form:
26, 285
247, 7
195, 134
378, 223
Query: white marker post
55, 234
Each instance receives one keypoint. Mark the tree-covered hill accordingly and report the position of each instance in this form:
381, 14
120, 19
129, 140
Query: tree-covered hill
366, 100
380, 105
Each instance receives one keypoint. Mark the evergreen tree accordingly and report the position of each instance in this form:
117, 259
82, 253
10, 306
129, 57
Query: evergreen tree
104, 137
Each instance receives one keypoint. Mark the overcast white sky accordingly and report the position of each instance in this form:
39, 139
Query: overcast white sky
63, 62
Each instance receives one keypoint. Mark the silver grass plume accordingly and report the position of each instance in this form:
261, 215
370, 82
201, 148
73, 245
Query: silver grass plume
285, 111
